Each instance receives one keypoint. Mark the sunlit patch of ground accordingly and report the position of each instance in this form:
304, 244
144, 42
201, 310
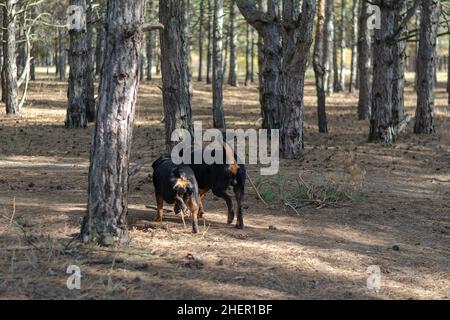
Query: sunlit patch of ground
403, 226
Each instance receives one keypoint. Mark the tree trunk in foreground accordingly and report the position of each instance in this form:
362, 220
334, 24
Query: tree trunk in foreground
105, 222
77, 93
174, 49
426, 67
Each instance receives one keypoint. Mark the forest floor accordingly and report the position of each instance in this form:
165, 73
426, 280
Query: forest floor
401, 225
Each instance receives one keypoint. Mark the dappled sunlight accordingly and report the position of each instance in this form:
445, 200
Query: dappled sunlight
312, 253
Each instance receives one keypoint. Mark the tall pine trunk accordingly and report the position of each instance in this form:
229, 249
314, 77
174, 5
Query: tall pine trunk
381, 124
105, 222
56, 57
210, 41
398, 86
353, 67
200, 41
319, 63
4, 14
10, 58
77, 93
343, 45
99, 46
426, 67
174, 66
232, 76
336, 43
62, 54
448, 71
248, 57
217, 81
329, 45
90, 68
364, 65
150, 42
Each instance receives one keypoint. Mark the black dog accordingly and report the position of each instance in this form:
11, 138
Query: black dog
218, 178
176, 184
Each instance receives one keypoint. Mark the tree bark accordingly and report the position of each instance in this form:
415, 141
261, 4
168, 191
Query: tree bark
4, 14
217, 81
353, 68
10, 58
56, 60
77, 92
364, 65
62, 54
426, 67
398, 86
200, 41
448, 72
319, 63
248, 57
105, 222
296, 45
232, 76
270, 58
142, 66
329, 45
90, 69
343, 45
336, 42
225, 49
210, 41
174, 49
150, 42
100, 43
381, 124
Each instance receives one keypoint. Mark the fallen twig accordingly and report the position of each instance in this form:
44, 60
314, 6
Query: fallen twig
292, 207
256, 190
166, 209
14, 211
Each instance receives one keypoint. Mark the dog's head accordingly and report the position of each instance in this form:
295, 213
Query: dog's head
183, 187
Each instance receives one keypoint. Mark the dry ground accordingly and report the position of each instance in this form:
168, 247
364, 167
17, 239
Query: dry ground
318, 253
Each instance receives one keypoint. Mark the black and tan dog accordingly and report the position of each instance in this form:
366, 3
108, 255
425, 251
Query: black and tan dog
176, 184
218, 178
